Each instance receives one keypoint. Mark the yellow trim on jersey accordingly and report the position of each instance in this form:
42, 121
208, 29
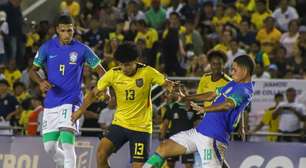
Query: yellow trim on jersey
133, 95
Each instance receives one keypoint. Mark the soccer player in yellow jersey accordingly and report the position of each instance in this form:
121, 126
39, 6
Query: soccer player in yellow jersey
132, 122
217, 78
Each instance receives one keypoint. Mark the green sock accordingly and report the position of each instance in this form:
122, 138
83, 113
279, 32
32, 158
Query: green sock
156, 160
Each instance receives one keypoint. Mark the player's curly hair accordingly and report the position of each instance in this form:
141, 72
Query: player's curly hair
126, 52
216, 53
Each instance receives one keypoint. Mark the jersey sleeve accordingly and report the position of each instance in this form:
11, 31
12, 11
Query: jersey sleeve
105, 80
200, 88
157, 77
91, 58
40, 56
239, 96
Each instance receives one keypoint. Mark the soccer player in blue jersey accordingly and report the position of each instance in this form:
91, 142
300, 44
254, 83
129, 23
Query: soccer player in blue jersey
210, 138
63, 59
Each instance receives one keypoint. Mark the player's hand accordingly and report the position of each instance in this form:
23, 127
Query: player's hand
199, 109
45, 85
76, 115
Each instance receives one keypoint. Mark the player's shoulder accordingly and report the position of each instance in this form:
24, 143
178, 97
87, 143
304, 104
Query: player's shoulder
115, 69
206, 75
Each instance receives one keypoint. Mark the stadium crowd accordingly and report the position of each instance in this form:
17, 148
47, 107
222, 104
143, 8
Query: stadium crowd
172, 36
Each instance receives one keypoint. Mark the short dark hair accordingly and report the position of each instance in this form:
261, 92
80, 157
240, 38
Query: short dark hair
64, 19
175, 13
246, 62
216, 54
3, 81
126, 52
291, 89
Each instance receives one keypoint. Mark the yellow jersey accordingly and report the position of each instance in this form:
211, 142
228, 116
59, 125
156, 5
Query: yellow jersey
208, 85
258, 18
268, 120
150, 37
12, 76
133, 96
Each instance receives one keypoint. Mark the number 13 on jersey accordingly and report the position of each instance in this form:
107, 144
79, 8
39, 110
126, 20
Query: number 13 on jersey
62, 69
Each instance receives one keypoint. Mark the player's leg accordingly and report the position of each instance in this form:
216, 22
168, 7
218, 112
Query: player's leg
50, 135
139, 147
67, 133
178, 144
114, 140
211, 151
188, 160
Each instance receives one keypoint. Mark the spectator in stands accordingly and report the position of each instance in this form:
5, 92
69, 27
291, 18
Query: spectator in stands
16, 37
27, 108
259, 55
225, 38
260, 72
246, 35
156, 15
133, 12
260, 15
12, 74
296, 64
119, 31
175, 6
233, 52
33, 121
268, 120
206, 13
190, 10
193, 38
279, 59
290, 39
273, 71
218, 19
20, 91
106, 115
8, 104
4, 32
284, 14
246, 7
302, 40
108, 15
70, 7
130, 34
269, 35
232, 16
150, 36
2, 69
172, 47
288, 120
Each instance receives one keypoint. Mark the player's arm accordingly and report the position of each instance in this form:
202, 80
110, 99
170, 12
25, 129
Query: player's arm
163, 129
228, 104
208, 96
37, 64
91, 96
94, 94
94, 62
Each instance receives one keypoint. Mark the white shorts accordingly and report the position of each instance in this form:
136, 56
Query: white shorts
211, 151
59, 117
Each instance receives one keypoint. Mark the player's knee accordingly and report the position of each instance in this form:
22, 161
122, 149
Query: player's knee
162, 149
50, 147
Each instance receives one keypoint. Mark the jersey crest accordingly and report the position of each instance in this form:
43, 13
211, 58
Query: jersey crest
139, 82
73, 57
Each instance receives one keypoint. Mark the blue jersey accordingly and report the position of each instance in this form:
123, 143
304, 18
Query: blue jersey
219, 125
64, 67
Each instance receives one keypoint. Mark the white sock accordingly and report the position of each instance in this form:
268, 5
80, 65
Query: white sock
69, 155
56, 153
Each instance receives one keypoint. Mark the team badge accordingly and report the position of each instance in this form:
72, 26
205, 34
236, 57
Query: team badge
73, 57
139, 82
